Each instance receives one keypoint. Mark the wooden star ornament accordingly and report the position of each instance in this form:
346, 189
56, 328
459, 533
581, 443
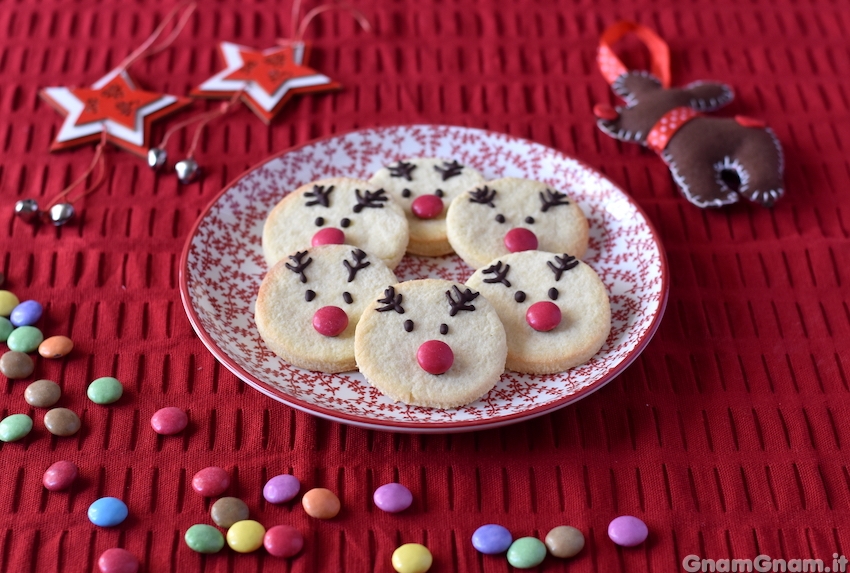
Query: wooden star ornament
267, 79
114, 104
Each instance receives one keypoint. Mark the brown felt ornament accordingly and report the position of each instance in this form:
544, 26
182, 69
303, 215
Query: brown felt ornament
705, 154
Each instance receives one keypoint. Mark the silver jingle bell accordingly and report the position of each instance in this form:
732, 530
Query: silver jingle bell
61, 213
187, 170
27, 210
156, 158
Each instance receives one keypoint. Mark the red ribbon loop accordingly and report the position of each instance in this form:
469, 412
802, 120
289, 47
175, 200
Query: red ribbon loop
611, 66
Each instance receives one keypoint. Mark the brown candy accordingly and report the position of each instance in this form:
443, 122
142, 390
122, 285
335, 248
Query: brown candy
62, 422
55, 347
564, 541
42, 393
228, 510
16, 365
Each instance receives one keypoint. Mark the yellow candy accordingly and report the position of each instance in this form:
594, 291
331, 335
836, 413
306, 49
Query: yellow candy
412, 558
245, 536
8, 302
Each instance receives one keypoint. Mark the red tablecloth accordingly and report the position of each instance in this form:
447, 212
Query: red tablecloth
728, 436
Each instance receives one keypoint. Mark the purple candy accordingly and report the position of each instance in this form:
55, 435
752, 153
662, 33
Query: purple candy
393, 497
281, 488
627, 531
492, 539
26, 313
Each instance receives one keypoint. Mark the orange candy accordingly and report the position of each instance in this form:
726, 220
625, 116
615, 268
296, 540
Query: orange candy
55, 347
321, 503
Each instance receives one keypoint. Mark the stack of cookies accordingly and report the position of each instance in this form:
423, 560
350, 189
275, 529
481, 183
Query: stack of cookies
331, 302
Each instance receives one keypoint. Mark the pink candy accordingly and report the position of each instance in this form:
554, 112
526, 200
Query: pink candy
435, 356
117, 560
427, 206
543, 316
330, 321
168, 421
211, 481
520, 239
283, 541
60, 476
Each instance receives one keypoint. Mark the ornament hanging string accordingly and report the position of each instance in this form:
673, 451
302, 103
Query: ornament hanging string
147, 49
612, 67
97, 160
298, 33
203, 120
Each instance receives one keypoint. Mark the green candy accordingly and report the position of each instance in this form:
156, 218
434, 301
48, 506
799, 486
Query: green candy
105, 390
25, 339
15, 427
526, 552
6, 328
204, 538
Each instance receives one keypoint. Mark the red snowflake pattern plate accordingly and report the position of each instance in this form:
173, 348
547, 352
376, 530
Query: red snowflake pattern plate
222, 267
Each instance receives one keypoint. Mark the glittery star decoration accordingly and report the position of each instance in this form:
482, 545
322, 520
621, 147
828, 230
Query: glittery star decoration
112, 103
267, 78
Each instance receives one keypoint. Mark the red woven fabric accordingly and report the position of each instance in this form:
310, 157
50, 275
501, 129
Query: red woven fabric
728, 436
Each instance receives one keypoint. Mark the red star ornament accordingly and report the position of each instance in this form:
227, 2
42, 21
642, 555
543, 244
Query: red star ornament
113, 103
267, 78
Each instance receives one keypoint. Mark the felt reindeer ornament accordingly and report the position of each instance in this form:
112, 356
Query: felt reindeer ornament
705, 154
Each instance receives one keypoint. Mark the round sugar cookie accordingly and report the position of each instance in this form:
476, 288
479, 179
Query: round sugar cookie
425, 187
431, 343
511, 215
554, 307
307, 298
336, 211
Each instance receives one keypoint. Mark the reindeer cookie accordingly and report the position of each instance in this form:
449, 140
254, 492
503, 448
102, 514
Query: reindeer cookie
554, 308
425, 188
511, 215
336, 211
310, 302
431, 343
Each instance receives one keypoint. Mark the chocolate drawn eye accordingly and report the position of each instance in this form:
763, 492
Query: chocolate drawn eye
405, 193
319, 221
346, 296
344, 223
408, 325
500, 218
444, 328
439, 193
553, 293
309, 295
519, 296
529, 220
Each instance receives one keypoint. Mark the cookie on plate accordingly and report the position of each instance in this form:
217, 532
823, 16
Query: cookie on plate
336, 211
425, 187
310, 302
554, 307
511, 215
431, 343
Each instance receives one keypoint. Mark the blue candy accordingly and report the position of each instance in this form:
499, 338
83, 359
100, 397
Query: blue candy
491, 539
107, 512
26, 313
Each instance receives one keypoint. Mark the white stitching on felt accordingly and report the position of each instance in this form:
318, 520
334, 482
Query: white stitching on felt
686, 190
729, 164
714, 103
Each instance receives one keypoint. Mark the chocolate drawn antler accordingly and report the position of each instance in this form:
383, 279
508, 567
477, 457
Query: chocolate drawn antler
449, 170
320, 196
359, 257
391, 300
499, 272
300, 264
565, 263
483, 195
552, 199
371, 199
403, 169
462, 299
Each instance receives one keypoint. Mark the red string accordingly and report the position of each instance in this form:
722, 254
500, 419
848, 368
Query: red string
98, 159
302, 27
145, 49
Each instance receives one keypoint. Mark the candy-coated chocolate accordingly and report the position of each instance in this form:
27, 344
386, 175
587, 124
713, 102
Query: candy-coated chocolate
526, 552
330, 321
105, 390
321, 503
62, 422
42, 393
16, 365
169, 421
211, 482
25, 339
520, 239
543, 316
26, 313
8, 302
283, 541
117, 560
203, 538
108, 512
627, 531
435, 356
60, 476
56, 347
492, 539
427, 206
393, 497
281, 488
228, 510
328, 236
412, 558
246, 536
564, 541
6, 328
15, 427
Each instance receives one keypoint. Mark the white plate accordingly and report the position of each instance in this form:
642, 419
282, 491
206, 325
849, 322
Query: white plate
223, 265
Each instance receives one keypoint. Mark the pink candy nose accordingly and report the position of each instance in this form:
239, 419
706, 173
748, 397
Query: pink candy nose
330, 321
543, 316
328, 236
520, 239
427, 206
435, 356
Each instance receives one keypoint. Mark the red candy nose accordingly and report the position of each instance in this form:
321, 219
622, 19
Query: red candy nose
328, 236
543, 316
427, 206
605, 111
330, 321
435, 356
520, 239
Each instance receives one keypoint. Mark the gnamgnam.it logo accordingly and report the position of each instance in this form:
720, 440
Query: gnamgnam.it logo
764, 564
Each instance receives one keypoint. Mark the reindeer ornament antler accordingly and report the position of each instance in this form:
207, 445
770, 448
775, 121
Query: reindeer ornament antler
703, 153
